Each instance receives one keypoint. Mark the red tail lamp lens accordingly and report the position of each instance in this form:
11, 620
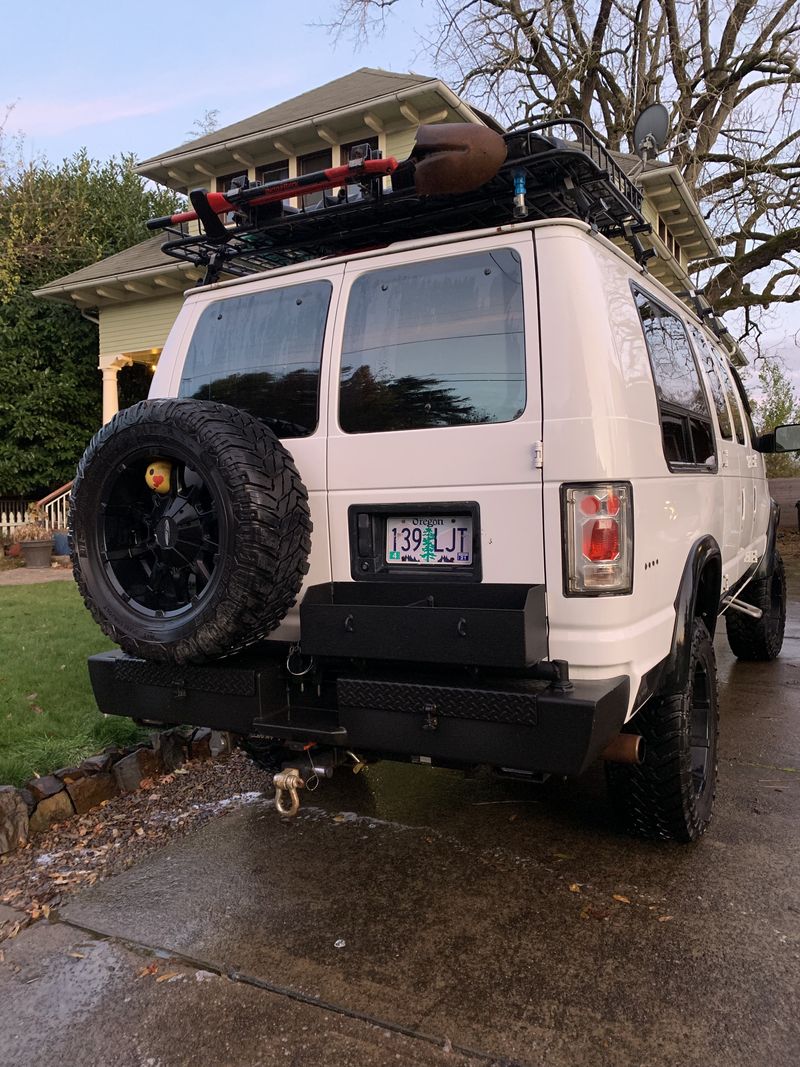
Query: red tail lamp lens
612, 504
590, 505
601, 540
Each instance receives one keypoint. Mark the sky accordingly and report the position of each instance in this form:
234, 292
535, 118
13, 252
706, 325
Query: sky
114, 78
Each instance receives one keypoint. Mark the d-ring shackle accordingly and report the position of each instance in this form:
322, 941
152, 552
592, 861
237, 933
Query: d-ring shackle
288, 781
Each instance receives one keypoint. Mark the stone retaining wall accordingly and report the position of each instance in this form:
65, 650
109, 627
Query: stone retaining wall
70, 791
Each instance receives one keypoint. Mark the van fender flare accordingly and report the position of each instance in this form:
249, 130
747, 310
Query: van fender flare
767, 562
698, 595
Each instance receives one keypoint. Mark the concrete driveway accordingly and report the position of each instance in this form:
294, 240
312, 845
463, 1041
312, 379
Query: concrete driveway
412, 916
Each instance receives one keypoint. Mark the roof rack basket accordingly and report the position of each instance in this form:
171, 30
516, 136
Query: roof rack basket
555, 169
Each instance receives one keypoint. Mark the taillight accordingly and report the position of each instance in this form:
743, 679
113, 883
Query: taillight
598, 524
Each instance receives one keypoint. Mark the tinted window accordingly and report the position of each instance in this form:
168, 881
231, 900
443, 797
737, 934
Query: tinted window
262, 353
435, 344
730, 392
674, 369
745, 402
706, 355
683, 406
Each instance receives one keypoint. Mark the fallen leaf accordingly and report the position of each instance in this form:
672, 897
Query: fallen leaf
664, 918
2, 956
621, 898
574, 888
169, 974
562, 856
146, 783
511, 818
37, 710
151, 968
591, 912
77, 955
139, 831
29, 698
46, 910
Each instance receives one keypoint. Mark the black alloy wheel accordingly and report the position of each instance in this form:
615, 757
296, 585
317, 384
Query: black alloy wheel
160, 551
208, 560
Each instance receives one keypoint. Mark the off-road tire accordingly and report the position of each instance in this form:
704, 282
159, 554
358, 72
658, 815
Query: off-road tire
662, 798
760, 639
261, 520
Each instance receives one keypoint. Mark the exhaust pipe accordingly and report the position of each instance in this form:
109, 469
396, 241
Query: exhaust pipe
625, 748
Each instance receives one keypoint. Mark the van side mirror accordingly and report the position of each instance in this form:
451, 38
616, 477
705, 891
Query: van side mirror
781, 439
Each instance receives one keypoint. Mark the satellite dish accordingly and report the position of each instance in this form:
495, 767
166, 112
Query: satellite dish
651, 131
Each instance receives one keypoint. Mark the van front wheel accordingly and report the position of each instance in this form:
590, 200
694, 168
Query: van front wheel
760, 639
671, 794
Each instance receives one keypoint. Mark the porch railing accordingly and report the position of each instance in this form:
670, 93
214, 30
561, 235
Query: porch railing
56, 507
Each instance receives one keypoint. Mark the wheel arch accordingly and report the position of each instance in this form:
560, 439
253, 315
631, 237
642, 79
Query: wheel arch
698, 596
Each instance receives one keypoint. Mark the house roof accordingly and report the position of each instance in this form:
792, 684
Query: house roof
143, 263
363, 86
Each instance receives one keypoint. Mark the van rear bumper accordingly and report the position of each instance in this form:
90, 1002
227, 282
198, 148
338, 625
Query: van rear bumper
441, 715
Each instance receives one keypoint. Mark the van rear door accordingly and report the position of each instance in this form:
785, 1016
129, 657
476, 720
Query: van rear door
434, 420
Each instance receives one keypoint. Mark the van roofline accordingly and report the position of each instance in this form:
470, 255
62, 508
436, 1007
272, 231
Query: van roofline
735, 354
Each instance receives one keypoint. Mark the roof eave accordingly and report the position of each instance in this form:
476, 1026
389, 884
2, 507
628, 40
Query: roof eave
705, 242
153, 168
63, 293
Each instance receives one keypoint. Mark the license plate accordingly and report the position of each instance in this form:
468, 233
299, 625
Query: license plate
429, 540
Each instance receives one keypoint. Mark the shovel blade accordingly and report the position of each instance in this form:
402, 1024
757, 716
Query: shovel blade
456, 157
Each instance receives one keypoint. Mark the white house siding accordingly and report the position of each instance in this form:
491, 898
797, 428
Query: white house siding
400, 143
137, 326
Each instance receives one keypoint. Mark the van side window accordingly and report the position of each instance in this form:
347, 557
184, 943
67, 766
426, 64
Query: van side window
262, 353
434, 344
748, 415
706, 356
683, 406
730, 392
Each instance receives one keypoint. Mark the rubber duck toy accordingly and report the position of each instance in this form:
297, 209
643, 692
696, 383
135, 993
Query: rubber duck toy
157, 476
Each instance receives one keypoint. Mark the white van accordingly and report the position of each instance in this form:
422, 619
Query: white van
533, 484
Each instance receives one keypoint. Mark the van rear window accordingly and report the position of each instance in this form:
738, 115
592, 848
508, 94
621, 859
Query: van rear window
262, 353
433, 344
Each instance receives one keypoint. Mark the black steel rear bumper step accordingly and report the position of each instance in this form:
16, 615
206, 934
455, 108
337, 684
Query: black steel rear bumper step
511, 723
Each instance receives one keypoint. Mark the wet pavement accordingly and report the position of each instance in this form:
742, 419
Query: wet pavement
414, 916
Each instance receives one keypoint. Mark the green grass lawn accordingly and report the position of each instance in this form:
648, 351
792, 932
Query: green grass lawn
48, 717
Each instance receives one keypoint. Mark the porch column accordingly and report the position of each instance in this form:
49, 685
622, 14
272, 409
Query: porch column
110, 366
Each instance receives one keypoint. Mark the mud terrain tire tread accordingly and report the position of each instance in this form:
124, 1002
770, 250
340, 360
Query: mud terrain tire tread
268, 516
656, 799
758, 639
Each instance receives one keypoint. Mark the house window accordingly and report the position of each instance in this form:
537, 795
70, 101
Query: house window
262, 353
225, 181
344, 150
308, 165
434, 344
273, 172
686, 426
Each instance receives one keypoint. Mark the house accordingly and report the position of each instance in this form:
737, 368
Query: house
135, 295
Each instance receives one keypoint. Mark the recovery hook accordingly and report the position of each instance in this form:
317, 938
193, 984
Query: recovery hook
289, 780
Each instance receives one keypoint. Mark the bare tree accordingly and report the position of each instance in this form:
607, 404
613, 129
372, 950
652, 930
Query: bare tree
728, 70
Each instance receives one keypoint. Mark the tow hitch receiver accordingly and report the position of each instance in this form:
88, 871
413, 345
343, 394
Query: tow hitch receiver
287, 782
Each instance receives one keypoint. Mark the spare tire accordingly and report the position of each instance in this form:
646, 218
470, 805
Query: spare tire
190, 530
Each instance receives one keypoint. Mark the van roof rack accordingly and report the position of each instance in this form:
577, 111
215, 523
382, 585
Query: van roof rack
544, 176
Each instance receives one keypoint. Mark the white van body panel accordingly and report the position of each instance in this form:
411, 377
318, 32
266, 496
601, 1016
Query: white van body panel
592, 410
493, 464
